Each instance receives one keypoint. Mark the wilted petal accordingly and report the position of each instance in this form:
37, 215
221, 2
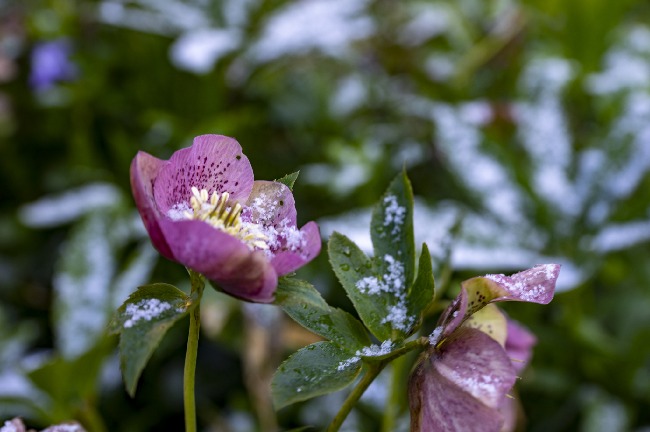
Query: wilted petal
214, 163
461, 385
222, 258
287, 261
519, 344
144, 170
535, 285
454, 315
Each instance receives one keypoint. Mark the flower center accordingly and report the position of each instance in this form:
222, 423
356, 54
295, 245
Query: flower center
217, 211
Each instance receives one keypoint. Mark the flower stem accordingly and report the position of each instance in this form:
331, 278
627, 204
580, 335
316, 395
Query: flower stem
395, 395
192, 348
366, 380
374, 368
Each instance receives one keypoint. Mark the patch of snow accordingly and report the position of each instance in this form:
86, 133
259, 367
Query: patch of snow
55, 210
146, 309
199, 50
328, 26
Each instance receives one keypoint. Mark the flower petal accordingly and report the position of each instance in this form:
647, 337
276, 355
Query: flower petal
535, 285
477, 364
222, 258
491, 321
287, 261
461, 386
271, 204
519, 344
213, 162
144, 171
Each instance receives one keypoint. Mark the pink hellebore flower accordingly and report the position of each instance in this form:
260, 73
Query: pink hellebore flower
461, 382
203, 210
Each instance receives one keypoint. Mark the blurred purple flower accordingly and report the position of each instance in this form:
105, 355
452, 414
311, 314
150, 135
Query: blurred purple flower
460, 383
51, 64
203, 209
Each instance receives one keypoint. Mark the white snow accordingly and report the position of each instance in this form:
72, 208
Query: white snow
147, 310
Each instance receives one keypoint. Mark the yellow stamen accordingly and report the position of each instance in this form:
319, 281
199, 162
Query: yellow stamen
214, 209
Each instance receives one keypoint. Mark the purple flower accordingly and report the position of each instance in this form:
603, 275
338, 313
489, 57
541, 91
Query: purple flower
51, 64
203, 210
460, 383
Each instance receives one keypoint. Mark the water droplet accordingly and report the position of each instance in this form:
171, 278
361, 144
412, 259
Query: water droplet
347, 252
345, 267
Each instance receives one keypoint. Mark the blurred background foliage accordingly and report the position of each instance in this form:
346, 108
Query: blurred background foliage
524, 126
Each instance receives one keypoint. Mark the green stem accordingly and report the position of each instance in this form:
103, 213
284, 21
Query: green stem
90, 417
395, 395
368, 378
192, 349
374, 368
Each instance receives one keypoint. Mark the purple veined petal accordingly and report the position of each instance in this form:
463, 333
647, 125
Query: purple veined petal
535, 285
213, 162
454, 314
144, 170
519, 344
477, 364
270, 204
461, 385
222, 258
288, 261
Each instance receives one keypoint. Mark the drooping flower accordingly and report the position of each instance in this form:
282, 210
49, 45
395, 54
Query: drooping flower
461, 382
203, 209
51, 64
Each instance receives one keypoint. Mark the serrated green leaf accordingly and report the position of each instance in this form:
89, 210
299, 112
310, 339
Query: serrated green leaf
315, 370
391, 227
289, 179
422, 292
142, 321
302, 302
351, 265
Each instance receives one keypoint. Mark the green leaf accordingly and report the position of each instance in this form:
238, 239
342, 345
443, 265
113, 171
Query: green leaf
315, 370
302, 302
351, 266
82, 286
142, 321
289, 179
70, 382
391, 227
422, 292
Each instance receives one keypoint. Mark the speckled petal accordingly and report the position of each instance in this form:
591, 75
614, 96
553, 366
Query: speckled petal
461, 386
536, 285
477, 364
269, 204
519, 344
213, 162
289, 261
144, 170
222, 258
454, 315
